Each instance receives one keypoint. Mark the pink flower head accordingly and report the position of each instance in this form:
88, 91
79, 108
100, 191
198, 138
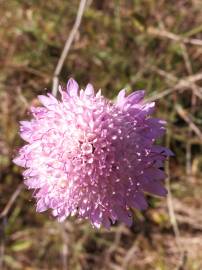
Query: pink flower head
88, 156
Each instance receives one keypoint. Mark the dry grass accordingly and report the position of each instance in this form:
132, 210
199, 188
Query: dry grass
155, 45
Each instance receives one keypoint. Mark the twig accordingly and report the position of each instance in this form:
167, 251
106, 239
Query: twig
65, 244
188, 79
113, 247
129, 255
3, 217
186, 59
2, 242
163, 33
183, 261
169, 76
189, 121
22, 98
25, 68
170, 205
67, 46
11, 201
193, 103
187, 82
173, 219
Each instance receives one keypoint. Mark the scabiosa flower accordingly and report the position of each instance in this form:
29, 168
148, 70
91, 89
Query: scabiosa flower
91, 157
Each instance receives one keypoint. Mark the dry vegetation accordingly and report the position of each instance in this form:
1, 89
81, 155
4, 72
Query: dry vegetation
139, 44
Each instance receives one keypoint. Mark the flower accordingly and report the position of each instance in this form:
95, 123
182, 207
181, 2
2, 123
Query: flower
91, 157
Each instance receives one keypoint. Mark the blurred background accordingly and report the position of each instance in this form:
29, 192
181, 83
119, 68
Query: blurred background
135, 44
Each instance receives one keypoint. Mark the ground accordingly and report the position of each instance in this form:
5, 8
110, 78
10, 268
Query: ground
151, 45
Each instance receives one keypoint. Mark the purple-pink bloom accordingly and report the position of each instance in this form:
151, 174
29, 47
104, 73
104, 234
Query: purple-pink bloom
89, 157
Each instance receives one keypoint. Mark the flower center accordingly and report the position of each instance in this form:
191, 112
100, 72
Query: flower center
87, 148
